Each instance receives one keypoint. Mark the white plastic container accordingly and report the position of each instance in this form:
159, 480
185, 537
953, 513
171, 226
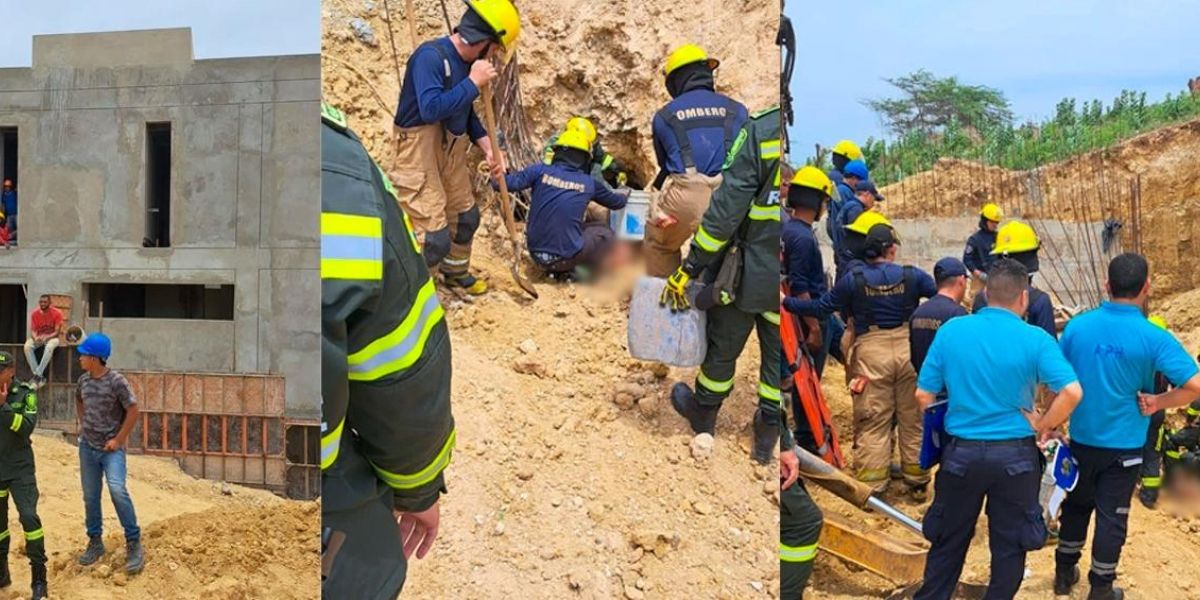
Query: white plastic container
657, 334
630, 222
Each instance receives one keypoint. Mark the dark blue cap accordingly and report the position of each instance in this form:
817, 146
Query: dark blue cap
867, 185
949, 267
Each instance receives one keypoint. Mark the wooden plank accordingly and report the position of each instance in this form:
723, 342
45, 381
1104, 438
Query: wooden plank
214, 392
275, 402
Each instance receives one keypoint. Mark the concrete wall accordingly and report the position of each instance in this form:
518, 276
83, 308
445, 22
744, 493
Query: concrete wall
1066, 268
244, 195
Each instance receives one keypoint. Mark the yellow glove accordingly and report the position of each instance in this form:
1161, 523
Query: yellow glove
622, 179
674, 293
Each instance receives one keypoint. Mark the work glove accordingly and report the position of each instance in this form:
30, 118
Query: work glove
674, 294
622, 179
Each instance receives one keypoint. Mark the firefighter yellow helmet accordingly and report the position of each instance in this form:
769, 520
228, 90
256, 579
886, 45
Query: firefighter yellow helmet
992, 213
1159, 322
686, 55
584, 126
848, 149
868, 219
502, 17
1015, 237
812, 177
572, 138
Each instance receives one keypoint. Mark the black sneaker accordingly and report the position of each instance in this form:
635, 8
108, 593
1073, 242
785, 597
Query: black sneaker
1065, 580
95, 549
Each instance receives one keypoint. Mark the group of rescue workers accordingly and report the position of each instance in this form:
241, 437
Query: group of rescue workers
386, 348
963, 390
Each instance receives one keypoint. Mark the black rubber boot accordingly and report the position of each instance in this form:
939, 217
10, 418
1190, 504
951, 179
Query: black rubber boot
702, 419
1106, 593
1148, 497
135, 557
5, 576
95, 549
1065, 580
766, 436
38, 590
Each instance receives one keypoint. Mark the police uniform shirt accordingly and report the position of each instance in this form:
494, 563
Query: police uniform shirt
990, 364
1116, 352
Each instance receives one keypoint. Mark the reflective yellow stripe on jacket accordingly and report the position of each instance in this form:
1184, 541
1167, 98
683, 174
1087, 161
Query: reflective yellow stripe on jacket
330, 442
707, 241
351, 247
401, 347
404, 481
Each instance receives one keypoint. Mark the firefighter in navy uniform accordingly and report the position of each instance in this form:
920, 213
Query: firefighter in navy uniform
387, 432
736, 249
18, 417
693, 134
1018, 241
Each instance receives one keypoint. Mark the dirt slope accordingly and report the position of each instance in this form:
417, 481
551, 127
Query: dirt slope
557, 491
597, 59
1167, 161
200, 542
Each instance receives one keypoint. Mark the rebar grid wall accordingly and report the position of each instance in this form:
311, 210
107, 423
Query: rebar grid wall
1082, 221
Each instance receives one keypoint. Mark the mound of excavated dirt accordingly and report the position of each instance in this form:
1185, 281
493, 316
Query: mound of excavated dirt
1091, 187
573, 477
203, 539
1158, 543
597, 59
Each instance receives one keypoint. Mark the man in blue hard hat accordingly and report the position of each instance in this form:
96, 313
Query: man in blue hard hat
106, 411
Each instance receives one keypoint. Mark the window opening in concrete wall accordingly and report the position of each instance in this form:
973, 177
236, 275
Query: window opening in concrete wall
160, 301
158, 185
13, 317
8, 154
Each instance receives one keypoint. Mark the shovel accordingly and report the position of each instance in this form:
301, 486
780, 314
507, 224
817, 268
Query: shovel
489, 121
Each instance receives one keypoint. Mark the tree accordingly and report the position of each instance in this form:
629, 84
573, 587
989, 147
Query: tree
929, 104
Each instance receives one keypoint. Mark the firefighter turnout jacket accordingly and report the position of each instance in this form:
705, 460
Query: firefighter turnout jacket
385, 347
744, 213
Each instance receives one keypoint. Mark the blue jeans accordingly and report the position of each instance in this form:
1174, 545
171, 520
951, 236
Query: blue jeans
93, 464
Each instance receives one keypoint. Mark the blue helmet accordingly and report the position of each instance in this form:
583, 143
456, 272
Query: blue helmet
856, 168
96, 344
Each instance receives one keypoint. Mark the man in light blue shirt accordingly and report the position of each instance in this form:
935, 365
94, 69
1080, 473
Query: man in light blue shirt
990, 364
1116, 352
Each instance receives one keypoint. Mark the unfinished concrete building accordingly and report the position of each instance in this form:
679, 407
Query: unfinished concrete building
173, 203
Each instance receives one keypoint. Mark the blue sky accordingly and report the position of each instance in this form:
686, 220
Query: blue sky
220, 28
1036, 52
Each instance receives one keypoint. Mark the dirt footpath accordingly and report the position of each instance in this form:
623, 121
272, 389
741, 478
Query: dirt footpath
1158, 560
562, 488
200, 542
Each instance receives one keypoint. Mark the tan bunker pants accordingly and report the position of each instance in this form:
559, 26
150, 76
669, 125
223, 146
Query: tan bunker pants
684, 196
434, 186
886, 404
